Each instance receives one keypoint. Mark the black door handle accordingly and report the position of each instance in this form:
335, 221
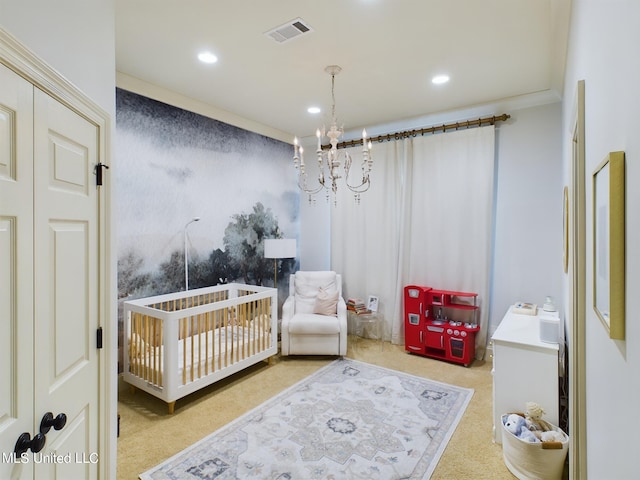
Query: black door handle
25, 442
48, 421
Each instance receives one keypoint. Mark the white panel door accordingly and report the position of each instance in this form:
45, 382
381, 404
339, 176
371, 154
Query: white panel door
66, 312
16, 267
49, 284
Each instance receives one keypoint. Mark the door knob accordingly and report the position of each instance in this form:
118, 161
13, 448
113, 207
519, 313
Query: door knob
25, 442
49, 421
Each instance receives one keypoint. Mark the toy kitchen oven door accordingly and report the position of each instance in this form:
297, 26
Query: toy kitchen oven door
441, 324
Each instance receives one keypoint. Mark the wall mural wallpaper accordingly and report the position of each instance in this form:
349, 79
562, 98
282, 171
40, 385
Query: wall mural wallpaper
173, 166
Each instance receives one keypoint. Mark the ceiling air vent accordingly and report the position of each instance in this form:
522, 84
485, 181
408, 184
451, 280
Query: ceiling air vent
289, 30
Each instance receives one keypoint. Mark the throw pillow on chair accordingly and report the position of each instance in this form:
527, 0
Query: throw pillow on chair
326, 303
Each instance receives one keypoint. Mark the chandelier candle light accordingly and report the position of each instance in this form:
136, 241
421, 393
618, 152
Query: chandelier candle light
330, 159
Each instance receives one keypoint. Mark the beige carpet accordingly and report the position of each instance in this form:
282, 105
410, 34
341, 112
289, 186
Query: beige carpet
148, 435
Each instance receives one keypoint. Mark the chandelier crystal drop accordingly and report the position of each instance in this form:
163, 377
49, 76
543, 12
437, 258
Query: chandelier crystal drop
330, 161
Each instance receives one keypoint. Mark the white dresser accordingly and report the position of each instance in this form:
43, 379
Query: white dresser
525, 369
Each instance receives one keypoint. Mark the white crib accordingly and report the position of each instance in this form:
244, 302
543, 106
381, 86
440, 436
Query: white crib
181, 342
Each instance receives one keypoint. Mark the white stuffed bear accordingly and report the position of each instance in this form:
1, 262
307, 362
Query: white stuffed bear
534, 415
518, 426
552, 436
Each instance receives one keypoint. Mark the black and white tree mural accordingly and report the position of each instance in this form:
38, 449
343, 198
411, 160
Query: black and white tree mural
172, 166
243, 240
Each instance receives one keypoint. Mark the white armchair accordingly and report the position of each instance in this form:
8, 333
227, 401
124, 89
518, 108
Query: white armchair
314, 316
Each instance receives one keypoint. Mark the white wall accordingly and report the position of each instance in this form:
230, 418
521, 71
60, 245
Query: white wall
527, 257
75, 37
528, 216
603, 52
315, 233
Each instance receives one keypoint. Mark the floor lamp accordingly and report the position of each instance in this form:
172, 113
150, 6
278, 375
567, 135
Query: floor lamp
186, 255
279, 248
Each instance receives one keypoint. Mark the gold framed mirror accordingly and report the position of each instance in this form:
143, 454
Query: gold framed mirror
565, 229
609, 244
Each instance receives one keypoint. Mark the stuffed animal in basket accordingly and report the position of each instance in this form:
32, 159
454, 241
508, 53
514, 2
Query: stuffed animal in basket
517, 425
533, 415
552, 436
542, 429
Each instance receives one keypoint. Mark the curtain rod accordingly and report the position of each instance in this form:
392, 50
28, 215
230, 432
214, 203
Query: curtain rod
438, 128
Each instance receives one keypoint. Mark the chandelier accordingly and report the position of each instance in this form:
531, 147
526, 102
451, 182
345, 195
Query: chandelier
330, 160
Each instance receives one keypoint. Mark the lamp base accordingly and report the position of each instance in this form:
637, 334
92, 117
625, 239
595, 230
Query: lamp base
275, 273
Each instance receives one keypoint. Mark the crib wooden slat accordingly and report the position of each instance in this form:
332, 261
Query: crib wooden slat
224, 333
183, 323
257, 331
229, 339
203, 319
251, 330
192, 337
266, 315
198, 319
132, 342
234, 335
139, 346
248, 333
254, 325
145, 342
260, 332
161, 348
208, 329
239, 325
154, 360
259, 327
216, 352
266, 325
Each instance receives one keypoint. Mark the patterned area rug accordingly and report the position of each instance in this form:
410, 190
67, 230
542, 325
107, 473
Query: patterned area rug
349, 420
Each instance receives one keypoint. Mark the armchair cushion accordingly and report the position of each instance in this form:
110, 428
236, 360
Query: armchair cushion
326, 302
306, 288
309, 323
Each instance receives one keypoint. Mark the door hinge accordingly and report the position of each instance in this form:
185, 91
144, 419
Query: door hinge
99, 338
99, 168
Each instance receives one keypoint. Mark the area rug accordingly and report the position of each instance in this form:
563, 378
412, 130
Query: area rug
349, 420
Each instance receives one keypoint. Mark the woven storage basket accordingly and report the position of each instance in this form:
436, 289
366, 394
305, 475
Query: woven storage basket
531, 461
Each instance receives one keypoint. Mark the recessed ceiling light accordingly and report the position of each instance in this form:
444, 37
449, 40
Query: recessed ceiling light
440, 79
313, 110
207, 57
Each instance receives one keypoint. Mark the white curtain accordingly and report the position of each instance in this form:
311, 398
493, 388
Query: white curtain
366, 238
426, 220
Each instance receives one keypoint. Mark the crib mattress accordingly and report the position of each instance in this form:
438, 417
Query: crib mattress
205, 352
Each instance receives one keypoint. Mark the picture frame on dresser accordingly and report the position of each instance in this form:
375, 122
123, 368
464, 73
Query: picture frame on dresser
608, 208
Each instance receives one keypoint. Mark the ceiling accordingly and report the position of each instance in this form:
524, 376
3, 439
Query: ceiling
388, 50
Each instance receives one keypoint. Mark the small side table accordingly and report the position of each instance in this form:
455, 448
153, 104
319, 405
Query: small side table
372, 323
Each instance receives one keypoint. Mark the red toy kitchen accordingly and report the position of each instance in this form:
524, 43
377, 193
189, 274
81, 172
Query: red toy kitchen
441, 324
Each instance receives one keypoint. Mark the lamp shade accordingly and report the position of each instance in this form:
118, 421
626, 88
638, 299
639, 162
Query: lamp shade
280, 248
